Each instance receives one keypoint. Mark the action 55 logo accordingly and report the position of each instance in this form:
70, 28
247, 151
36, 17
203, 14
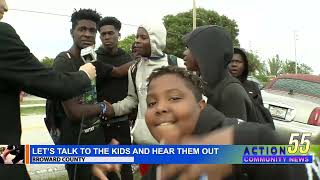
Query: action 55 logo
299, 143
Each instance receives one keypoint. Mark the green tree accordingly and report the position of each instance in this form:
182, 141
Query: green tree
180, 24
255, 65
127, 42
304, 69
275, 66
48, 62
290, 67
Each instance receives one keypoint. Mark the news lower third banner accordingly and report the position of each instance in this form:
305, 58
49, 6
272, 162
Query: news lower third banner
169, 154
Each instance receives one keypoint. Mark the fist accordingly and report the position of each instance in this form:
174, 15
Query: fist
89, 69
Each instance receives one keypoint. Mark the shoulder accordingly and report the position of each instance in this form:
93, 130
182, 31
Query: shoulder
63, 57
63, 62
251, 85
5, 27
8, 32
234, 90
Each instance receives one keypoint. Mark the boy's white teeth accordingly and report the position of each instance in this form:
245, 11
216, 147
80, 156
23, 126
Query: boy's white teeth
165, 124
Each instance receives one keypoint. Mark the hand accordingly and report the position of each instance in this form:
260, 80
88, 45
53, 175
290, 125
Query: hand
100, 170
89, 69
194, 171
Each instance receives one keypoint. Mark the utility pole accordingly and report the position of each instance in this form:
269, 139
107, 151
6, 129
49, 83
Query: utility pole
194, 15
295, 50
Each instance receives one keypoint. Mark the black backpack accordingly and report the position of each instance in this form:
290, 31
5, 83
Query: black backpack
55, 113
262, 114
172, 61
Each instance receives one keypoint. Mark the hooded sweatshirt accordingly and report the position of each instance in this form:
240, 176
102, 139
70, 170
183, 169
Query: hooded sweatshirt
157, 35
212, 47
251, 87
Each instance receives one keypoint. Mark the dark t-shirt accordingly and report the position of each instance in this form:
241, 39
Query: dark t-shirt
112, 89
65, 62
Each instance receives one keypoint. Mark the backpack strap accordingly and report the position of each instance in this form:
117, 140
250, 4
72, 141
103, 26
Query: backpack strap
172, 60
134, 69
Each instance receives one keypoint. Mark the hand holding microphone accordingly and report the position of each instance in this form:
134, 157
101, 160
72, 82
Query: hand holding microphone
89, 69
88, 56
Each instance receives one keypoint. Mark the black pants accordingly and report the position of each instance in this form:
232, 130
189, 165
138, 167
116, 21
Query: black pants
14, 172
121, 132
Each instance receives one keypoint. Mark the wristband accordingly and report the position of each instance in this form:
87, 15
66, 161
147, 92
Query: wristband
103, 108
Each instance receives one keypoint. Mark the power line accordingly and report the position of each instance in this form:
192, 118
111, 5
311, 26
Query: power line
64, 15
39, 12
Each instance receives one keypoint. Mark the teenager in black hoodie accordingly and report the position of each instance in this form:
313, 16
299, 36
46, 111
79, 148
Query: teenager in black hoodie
212, 50
239, 68
114, 89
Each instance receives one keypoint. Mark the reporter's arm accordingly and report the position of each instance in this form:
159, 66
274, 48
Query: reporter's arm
19, 67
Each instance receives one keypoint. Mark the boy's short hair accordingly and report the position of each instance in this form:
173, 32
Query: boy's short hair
110, 21
84, 14
192, 81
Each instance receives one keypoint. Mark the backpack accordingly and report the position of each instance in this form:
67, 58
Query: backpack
262, 114
55, 113
172, 61
54, 118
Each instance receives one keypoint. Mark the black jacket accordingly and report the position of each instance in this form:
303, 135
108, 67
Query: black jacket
212, 47
20, 70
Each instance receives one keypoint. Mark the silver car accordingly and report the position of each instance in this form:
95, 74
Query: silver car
294, 103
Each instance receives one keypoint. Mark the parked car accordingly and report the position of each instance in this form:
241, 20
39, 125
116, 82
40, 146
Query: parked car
294, 102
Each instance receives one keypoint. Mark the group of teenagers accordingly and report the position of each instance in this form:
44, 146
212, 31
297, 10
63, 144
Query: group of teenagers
147, 94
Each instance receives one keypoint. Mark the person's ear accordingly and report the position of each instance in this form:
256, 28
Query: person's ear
71, 32
202, 104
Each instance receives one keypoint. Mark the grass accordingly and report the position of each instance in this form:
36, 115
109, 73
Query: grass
32, 110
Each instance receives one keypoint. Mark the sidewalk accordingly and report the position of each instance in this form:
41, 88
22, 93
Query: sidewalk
34, 131
32, 105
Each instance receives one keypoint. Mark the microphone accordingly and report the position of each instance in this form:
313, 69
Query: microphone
88, 54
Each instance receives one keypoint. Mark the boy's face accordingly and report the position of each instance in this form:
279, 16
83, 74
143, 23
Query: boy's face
171, 106
142, 43
84, 33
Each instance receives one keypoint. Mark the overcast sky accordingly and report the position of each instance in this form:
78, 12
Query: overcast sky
266, 27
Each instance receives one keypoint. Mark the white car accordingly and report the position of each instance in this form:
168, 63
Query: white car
294, 102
